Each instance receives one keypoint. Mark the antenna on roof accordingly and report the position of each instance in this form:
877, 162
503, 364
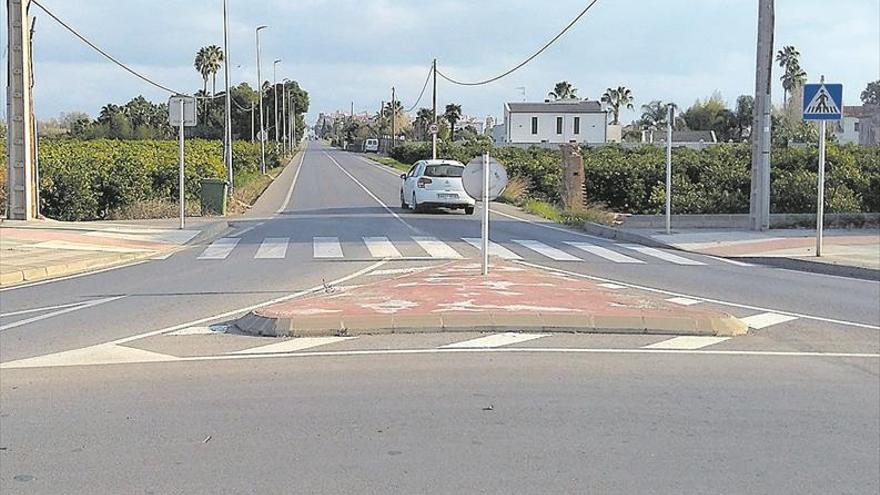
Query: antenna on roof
522, 90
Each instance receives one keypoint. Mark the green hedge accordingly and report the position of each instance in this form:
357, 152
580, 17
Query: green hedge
713, 180
86, 180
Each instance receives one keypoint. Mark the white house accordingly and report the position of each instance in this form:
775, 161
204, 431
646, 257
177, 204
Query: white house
557, 122
859, 125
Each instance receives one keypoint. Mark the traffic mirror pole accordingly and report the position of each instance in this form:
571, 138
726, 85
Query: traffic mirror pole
485, 240
182, 199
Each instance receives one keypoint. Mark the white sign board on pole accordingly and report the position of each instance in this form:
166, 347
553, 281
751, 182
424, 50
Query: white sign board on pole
190, 117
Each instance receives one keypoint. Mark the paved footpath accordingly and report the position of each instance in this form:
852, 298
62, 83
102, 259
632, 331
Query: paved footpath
31, 251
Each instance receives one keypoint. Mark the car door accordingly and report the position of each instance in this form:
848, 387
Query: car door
410, 182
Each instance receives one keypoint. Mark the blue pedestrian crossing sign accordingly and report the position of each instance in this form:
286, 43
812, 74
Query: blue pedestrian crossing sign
823, 101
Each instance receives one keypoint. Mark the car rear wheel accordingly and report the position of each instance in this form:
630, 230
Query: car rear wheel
403, 204
415, 204
468, 210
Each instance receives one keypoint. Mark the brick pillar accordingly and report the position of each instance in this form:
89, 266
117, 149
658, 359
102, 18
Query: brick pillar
572, 184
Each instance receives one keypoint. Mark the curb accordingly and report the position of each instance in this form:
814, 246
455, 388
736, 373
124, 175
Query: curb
82, 266
332, 326
623, 235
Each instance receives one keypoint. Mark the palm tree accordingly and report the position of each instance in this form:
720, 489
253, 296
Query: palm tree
616, 98
563, 91
793, 77
452, 115
214, 59
424, 117
108, 111
655, 114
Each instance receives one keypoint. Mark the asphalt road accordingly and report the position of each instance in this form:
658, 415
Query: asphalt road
553, 422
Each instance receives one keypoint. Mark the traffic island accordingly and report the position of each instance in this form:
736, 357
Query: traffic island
455, 298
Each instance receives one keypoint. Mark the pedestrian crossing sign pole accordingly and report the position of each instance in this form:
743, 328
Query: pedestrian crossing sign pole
822, 102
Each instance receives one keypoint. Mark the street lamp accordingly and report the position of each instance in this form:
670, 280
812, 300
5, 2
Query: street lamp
260, 90
227, 134
275, 92
285, 116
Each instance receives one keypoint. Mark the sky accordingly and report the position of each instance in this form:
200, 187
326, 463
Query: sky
344, 51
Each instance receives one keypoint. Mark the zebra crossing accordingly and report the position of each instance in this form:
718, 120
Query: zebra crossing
424, 247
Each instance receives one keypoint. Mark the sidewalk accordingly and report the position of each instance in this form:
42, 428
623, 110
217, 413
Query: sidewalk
454, 297
42, 249
855, 249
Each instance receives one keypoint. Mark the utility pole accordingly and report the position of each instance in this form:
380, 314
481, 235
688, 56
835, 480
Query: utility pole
262, 135
253, 121
227, 134
759, 204
21, 159
284, 118
434, 71
393, 123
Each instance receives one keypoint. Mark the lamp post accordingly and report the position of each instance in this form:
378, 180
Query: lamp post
260, 90
227, 134
284, 115
275, 97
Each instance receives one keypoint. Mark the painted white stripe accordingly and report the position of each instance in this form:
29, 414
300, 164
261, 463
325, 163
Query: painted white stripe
764, 320
293, 183
494, 249
612, 286
684, 301
87, 304
686, 343
730, 261
437, 248
545, 250
603, 252
663, 255
497, 340
219, 249
38, 310
381, 247
327, 247
273, 248
292, 345
204, 330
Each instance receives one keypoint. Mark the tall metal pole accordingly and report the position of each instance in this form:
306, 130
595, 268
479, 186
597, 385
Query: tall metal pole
670, 120
21, 159
293, 119
275, 97
485, 227
227, 134
820, 210
180, 184
262, 135
253, 121
284, 119
759, 204
434, 137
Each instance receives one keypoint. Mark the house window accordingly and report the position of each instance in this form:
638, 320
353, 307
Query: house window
577, 125
534, 125
856, 126
558, 125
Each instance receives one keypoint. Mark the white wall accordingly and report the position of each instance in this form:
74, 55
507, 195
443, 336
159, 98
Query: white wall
848, 134
519, 128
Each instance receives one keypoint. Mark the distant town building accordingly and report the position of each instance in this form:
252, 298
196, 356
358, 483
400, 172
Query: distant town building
555, 122
859, 125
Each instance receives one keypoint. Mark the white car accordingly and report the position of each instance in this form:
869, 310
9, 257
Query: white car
371, 145
435, 184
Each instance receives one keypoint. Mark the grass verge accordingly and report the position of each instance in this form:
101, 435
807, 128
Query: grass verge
390, 162
592, 213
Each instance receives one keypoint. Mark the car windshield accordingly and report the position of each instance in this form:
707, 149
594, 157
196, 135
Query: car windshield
444, 170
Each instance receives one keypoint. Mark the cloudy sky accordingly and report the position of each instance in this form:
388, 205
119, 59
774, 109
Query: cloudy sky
355, 50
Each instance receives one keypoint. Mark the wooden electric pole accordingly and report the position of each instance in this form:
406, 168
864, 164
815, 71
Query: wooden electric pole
21, 159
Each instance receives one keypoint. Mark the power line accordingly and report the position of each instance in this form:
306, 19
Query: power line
526, 61
419, 99
112, 58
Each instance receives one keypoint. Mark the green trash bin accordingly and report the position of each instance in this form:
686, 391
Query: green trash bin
214, 197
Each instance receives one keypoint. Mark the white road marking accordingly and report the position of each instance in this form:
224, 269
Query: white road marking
219, 249
764, 320
603, 252
381, 247
245, 230
729, 261
75, 275
683, 301
37, 310
686, 343
202, 330
545, 250
370, 193
291, 345
497, 340
703, 299
494, 249
293, 183
663, 255
93, 355
612, 286
326, 247
437, 248
273, 248
66, 309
